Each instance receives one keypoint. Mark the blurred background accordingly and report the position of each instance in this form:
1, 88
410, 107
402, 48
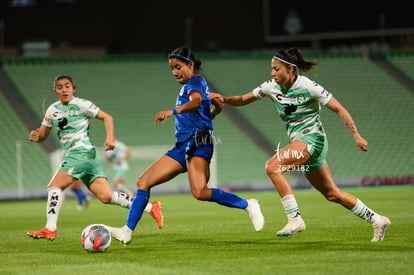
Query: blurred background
71, 27
116, 51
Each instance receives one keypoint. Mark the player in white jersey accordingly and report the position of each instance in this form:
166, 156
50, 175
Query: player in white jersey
119, 160
298, 100
82, 198
70, 117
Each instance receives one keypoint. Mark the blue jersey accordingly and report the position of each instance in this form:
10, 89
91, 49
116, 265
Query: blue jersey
196, 122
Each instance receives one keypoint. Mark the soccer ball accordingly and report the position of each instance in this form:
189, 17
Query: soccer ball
96, 238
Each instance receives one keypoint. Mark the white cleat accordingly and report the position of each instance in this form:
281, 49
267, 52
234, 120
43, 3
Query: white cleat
255, 214
122, 234
379, 229
293, 226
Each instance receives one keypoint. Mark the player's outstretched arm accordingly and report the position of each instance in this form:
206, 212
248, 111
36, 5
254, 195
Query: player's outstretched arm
217, 107
235, 100
346, 117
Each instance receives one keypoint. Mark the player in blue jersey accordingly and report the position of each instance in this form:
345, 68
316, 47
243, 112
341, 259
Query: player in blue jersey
81, 196
297, 100
70, 118
193, 149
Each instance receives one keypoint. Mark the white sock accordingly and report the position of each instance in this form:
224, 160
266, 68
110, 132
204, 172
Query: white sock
121, 199
54, 203
148, 207
126, 228
364, 212
123, 188
291, 207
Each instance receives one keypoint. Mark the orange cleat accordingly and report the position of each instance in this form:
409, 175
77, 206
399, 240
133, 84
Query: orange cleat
156, 213
43, 233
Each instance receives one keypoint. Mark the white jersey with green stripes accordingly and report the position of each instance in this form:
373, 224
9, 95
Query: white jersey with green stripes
299, 106
71, 122
118, 156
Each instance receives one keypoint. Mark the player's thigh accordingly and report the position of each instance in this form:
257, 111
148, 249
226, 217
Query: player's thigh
198, 173
198, 176
295, 153
162, 170
102, 190
61, 179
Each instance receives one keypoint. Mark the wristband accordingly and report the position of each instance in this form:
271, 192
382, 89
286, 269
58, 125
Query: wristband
174, 111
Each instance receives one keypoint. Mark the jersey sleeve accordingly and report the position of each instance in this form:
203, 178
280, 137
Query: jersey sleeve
263, 89
88, 108
194, 86
319, 92
47, 119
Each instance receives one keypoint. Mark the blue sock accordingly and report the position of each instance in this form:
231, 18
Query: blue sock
227, 199
137, 208
80, 195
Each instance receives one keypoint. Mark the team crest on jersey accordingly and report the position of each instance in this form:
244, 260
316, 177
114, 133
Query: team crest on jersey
72, 111
301, 98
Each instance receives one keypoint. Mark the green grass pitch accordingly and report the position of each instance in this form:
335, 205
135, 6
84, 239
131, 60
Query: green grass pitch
205, 238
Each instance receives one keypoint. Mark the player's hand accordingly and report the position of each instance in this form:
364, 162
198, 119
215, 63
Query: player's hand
34, 135
362, 143
109, 145
163, 115
217, 106
217, 97
217, 102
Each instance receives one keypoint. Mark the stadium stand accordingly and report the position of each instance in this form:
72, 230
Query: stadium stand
24, 168
381, 108
403, 60
134, 88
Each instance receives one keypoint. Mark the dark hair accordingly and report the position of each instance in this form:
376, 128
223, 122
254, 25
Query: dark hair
185, 55
63, 76
294, 56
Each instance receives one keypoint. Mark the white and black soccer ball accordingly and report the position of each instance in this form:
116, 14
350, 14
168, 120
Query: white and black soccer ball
96, 238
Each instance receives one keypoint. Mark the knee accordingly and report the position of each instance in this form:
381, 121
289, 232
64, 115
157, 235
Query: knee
140, 183
201, 194
105, 198
272, 169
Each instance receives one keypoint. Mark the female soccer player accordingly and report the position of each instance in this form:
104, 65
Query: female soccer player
192, 151
297, 100
81, 197
70, 117
119, 160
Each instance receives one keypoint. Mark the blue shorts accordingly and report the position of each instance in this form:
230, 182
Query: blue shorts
195, 146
